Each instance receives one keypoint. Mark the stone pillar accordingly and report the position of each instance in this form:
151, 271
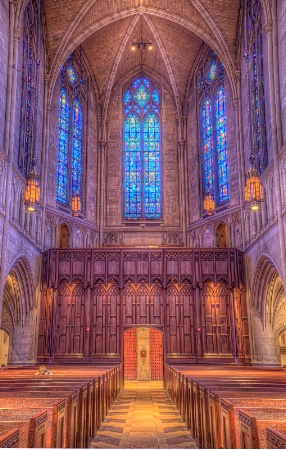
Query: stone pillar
102, 151
268, 31
239, 134
15, 36
182, 184
44, 158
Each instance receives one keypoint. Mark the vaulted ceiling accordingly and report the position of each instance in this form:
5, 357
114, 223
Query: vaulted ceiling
106, 29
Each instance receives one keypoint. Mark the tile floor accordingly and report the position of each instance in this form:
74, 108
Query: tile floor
143, 416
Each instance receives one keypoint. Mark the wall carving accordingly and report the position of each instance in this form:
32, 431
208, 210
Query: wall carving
195, 297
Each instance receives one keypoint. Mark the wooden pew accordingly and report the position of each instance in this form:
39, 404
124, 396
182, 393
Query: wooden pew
254, 422
10, 439
276, 438
56, 416
32, 429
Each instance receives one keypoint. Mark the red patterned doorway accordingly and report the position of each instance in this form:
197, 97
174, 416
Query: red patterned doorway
143, 354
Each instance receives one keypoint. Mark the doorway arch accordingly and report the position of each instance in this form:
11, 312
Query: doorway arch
143, 353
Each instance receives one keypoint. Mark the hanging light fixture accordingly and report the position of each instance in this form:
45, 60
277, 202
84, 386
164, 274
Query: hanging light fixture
32, 189
253, 191
76, 204
139, 44
209, 204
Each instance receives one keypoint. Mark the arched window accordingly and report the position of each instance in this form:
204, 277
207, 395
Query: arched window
142, 150
257, 87
213, 129
71, 139
27, 92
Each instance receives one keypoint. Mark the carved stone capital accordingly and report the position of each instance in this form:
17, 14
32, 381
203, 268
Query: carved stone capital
237, 74
182, 144
235, 103
17, 34
268, 26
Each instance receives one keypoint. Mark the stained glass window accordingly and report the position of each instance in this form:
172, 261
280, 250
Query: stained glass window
63, 153
208, 162
71, 137
142, 151
258, 112
27, 97
133, 167
214, 129
77, 148
221, 145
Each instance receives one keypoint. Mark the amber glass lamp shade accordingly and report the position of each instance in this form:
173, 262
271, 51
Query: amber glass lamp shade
209, 204
253, 191
32, 192
76, 204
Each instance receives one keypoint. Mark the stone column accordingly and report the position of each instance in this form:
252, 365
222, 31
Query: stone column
268, 31
239, 133
102, 151
182, 183
44, 158
15, 36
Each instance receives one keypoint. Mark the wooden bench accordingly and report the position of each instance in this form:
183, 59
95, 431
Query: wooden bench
32, 429
10, 439
276, 438
253, 424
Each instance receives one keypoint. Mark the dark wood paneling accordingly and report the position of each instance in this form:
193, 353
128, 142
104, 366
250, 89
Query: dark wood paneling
195, 296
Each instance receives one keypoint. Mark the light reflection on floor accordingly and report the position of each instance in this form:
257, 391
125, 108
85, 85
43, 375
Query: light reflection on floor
143, 417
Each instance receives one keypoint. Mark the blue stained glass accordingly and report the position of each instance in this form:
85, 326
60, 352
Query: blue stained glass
127, 97
222, 160
133, 168
152, 171
142, 95
147, 82
137, 82
72, 74
77, 161
156, 97
63, 152
213, 70
207, 131
142, 165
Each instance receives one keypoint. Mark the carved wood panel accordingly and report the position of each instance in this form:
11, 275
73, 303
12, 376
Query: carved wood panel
69, 322
193, 295
156, 354
130, 355
216, 320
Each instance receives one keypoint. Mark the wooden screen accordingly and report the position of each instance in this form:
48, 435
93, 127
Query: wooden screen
156, 354
130, 355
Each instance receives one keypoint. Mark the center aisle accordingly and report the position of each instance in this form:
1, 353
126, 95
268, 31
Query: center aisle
143, 417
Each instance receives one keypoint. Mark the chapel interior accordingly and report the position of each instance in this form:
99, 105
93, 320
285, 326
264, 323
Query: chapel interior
142, 223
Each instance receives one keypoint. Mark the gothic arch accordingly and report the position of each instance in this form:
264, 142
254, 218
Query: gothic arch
18, 315
217, 44
268, 311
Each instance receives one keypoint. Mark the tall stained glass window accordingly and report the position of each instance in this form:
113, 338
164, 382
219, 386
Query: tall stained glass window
71, 133
142, 150
257, 91
214, 129
27, 95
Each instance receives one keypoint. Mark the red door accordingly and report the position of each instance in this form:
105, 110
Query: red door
130, 355
156, 354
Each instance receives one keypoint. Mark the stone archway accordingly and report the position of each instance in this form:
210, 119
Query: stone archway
268, 311
143, 354
18, 315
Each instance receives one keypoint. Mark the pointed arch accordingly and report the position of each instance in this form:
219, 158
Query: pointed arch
142, 150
